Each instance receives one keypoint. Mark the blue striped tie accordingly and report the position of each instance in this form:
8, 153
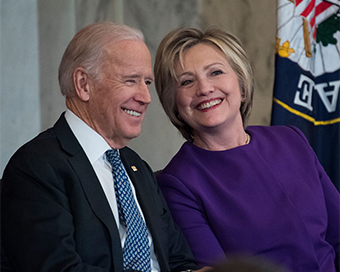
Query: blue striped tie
136, 250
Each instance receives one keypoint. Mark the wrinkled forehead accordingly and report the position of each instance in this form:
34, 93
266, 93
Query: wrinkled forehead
128, 53
126, 48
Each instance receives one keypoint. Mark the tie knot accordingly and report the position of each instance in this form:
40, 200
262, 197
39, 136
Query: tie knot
113, 157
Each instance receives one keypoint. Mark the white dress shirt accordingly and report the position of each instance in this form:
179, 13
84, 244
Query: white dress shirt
95, 147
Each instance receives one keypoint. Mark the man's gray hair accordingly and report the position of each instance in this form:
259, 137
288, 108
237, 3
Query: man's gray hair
87, 50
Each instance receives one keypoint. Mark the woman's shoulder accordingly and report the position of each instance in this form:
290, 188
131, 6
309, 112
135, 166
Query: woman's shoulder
279, 139
182, 156
187, 162
279, 131
272, 129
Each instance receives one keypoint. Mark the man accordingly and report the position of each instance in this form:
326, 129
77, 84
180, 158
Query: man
60, 211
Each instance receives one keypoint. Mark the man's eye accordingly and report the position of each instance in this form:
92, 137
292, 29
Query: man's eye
186, 82
148, 82
216, 73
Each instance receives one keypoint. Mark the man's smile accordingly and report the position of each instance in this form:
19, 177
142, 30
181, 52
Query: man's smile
132, 112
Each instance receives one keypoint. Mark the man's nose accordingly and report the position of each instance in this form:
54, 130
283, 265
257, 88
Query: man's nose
143, 95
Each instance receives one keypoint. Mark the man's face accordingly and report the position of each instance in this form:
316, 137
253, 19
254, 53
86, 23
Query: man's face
118, 102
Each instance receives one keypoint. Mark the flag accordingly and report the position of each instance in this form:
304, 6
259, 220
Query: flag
307, 76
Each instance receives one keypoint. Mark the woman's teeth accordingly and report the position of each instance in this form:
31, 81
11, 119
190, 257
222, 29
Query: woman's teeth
209, 104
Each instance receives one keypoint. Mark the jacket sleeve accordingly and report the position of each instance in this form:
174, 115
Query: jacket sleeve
170, 245
37, 222
192, 220
332, 202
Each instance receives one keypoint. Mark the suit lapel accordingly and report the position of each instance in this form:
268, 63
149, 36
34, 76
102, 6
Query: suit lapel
141, 177
91, 186
138, 179
148, 199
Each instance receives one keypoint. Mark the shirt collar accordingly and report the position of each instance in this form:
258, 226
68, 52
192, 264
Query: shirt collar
92, 143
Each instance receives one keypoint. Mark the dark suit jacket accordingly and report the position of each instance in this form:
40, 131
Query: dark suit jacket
55, 216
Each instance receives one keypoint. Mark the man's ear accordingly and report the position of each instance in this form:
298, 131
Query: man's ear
81, 83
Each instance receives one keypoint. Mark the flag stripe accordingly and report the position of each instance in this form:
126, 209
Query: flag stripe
297, 2
322, 7
309, 8
305, 116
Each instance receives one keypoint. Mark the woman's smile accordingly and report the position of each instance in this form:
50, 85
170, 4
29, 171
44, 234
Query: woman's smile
209, 104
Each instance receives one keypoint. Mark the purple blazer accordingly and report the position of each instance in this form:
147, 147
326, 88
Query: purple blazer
270, 198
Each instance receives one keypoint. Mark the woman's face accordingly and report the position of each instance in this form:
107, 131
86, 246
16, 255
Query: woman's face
208, 95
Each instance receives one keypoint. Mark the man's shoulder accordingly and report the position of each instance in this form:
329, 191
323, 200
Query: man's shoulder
44, 146
45, 138
40, 143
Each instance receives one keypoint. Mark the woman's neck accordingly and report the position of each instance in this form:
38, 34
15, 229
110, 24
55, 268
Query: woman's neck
221, 141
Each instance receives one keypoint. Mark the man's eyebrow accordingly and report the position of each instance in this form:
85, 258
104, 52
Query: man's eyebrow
137, 76
132, 76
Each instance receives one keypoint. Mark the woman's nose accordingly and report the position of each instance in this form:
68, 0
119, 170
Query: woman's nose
203, 87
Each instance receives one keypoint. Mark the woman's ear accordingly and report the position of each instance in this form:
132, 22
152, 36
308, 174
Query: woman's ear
243, 97
81, 83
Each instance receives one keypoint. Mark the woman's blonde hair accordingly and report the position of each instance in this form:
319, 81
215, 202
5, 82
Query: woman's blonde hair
170, 52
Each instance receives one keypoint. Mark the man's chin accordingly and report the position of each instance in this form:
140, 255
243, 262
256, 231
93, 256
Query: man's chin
133, 134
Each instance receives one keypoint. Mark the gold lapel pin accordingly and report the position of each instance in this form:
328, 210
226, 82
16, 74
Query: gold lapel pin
134, 168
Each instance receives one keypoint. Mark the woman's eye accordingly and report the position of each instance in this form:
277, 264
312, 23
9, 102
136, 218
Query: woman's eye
186, 82
217, 72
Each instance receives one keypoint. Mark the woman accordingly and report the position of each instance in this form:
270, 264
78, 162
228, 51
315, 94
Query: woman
236, 189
